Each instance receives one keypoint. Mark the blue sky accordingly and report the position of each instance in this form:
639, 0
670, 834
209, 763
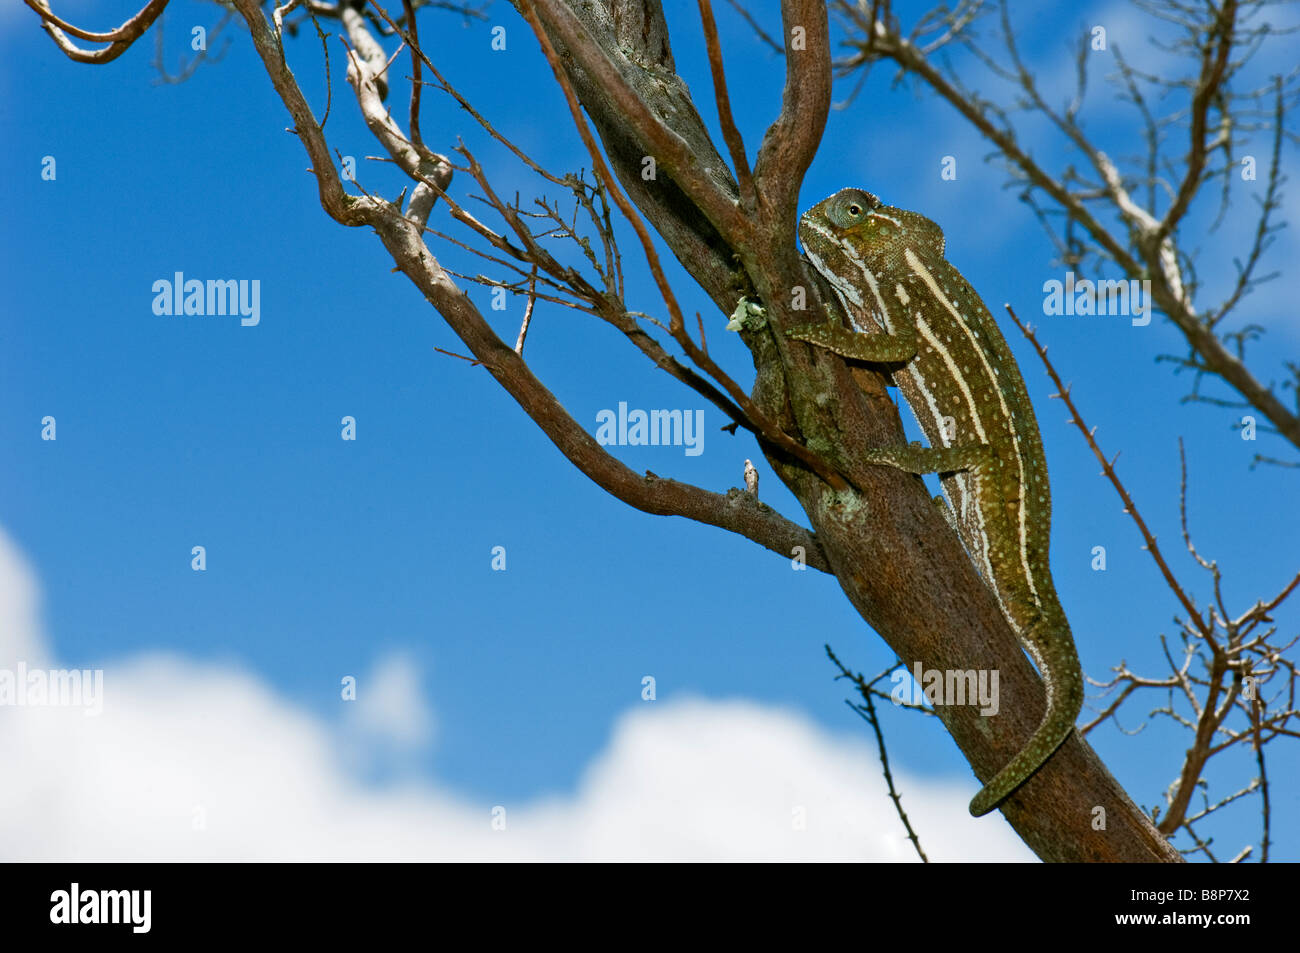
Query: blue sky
328, 558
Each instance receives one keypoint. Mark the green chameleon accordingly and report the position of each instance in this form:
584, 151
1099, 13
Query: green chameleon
910, 308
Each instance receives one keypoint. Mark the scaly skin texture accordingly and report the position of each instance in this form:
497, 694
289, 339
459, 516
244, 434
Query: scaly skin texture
911, 309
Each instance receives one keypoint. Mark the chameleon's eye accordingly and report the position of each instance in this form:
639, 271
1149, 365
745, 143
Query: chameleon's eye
852, 207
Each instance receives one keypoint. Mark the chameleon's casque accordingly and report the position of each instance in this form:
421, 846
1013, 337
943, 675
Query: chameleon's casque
911, 309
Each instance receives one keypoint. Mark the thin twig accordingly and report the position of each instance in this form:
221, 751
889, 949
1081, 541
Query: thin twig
868, 713
528, 311
730, 134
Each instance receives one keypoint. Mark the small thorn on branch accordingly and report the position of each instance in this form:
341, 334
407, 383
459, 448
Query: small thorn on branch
473, 362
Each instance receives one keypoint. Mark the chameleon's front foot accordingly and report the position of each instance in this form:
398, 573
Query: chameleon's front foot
876, 348
833, 337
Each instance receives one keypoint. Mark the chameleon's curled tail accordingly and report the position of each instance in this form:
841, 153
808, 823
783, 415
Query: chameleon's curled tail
1064, 700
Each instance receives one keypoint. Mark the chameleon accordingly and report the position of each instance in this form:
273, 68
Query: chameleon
914, 311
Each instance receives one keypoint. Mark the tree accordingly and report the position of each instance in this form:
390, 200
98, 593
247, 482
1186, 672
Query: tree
815, 415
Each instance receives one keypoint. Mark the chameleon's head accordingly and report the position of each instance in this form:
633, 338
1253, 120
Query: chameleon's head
847, 208
848, 215
857, 222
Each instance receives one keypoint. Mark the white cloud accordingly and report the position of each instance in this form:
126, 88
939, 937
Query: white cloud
195, 762
389, 704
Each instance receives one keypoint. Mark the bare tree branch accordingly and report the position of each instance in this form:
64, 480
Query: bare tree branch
119, 40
